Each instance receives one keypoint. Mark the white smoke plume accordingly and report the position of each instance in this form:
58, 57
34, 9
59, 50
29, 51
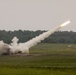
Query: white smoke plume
16, 47
3, 47
24, 47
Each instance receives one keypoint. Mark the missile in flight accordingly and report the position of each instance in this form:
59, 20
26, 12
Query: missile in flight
65, 23
24, 47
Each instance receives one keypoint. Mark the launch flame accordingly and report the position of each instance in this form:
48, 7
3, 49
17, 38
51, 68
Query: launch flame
66, 23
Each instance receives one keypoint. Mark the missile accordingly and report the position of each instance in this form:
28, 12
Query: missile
62, 25
44, 35
65, 23
24, 47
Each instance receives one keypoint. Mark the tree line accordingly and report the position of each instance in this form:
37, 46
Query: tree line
57, 37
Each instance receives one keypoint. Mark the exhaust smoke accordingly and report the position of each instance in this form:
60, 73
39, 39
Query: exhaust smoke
16, 47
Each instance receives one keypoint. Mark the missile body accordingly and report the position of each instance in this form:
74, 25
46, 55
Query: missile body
63, 24
66, 23
59, 27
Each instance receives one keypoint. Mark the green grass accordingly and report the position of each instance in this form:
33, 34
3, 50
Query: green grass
44, 59
29, 71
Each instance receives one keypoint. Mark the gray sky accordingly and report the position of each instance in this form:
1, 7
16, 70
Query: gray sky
37, 14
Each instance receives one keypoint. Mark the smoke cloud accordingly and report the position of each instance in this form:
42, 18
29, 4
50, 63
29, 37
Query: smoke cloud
16, 47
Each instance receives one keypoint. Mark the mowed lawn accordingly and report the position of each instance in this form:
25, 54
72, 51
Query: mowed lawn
44, 59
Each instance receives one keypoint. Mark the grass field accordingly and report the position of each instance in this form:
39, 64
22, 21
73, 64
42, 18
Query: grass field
44, 59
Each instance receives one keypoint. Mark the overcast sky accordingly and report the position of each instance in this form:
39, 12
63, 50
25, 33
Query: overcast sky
37, 14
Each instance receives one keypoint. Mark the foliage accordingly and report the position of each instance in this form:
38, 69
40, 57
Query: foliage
57, 37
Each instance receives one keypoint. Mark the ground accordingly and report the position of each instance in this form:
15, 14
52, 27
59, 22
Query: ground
50, 59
